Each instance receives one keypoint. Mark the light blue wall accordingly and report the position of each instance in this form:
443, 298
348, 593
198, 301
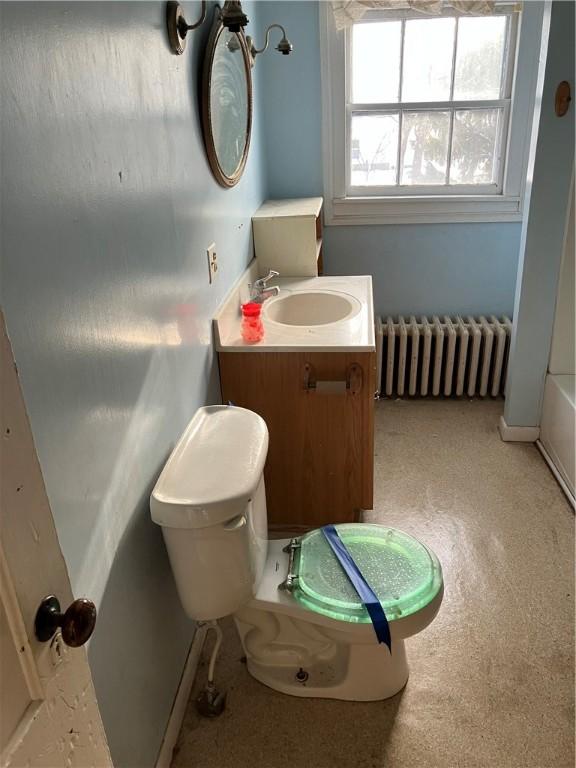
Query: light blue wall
292, 107
430, 268
421, 268
550, 173
107, 207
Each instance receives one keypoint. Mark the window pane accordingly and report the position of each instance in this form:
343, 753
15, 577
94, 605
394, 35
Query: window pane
376, 62
424, 150
428, 50
475, 138
479, 55
374, 150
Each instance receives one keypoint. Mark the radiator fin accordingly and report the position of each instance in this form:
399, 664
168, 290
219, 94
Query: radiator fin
449, 356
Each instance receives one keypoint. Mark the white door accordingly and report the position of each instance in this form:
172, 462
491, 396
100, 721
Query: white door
48, 711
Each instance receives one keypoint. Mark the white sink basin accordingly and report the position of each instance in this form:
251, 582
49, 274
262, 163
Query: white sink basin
311, 308
320, 314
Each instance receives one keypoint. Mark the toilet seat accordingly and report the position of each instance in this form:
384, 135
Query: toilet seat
405, 575
295, 603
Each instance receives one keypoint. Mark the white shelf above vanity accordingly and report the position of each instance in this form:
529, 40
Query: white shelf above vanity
288, 237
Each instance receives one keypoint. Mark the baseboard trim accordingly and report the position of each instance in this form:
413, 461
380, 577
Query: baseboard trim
517, 434
554, 469
181, 699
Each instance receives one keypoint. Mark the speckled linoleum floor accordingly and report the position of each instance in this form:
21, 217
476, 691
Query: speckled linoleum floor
492, 678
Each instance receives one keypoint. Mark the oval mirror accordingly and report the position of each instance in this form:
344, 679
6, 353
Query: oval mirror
227, 103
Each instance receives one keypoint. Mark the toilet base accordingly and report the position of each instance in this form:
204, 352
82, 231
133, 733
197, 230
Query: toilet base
368, 677
320, 667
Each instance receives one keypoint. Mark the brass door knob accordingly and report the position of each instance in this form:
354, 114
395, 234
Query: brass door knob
76, 623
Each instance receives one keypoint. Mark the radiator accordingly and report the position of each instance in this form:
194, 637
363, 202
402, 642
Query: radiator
442, 356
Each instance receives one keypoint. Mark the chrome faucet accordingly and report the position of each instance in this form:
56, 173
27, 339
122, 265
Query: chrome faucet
258, 291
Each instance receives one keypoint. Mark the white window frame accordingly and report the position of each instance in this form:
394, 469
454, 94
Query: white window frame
360, 205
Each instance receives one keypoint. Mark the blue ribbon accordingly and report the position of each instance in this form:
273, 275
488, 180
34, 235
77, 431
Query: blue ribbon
364, 590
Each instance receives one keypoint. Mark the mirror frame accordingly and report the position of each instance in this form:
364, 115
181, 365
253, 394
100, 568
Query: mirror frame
221, 177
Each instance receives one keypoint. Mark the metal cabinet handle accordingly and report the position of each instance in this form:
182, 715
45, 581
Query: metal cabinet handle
351, 385
76, 623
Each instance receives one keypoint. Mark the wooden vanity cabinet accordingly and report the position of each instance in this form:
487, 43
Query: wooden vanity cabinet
320, 459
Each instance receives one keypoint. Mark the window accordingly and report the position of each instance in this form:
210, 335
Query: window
429, 101
426, 118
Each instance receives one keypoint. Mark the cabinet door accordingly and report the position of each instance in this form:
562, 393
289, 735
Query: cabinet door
320, 460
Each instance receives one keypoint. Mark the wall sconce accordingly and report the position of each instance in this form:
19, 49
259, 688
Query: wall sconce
178, 28
233, 18
284, 47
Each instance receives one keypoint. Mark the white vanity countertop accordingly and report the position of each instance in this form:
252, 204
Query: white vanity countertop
353, 335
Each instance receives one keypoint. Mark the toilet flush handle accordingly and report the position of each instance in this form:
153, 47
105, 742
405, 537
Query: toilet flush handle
236, 523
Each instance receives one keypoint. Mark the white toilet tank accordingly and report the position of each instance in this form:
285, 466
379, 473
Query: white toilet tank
211, 504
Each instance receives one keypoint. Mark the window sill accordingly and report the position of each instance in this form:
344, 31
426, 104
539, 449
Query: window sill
421, 210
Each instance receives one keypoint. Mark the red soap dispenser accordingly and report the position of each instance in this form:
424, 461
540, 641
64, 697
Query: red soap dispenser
252, 326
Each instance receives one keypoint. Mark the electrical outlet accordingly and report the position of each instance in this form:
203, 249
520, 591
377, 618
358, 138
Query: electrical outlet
212, 262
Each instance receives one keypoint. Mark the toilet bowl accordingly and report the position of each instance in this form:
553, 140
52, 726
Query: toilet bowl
303, 628
315, 638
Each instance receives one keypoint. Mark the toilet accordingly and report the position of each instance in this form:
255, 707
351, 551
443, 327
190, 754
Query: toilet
303, 628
